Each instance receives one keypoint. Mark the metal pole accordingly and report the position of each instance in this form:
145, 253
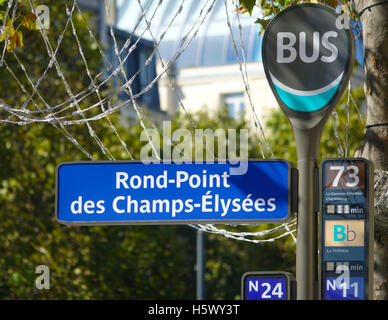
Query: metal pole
307, 142
306, 232
200, 265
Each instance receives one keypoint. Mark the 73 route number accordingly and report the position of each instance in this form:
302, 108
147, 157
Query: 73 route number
352, 174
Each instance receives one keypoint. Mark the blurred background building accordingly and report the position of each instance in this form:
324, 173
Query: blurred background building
208, 73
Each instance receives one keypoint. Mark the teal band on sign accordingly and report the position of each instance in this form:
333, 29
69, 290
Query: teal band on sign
306, 103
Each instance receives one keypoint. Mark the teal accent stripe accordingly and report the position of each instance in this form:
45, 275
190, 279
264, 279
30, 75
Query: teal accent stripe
306, 103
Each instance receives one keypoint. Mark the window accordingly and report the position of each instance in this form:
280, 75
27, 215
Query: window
134, 62
236, 105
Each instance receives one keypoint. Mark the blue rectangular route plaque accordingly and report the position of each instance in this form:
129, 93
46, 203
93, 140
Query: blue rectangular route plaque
271, 285
116, 192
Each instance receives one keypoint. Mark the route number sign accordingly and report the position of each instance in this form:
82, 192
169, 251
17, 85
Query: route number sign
346, 229
268, 286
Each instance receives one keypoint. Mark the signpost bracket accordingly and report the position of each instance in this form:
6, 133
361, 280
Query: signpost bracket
294, 190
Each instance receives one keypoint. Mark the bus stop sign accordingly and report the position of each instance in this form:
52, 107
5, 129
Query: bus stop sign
347, 219
307, 58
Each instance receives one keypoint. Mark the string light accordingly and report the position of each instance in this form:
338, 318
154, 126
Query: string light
69, 112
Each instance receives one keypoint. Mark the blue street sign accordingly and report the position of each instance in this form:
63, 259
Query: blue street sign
351, 288
106, 193
268, 286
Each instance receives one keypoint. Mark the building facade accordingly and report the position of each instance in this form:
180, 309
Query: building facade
211, 55
211, 65
103, 16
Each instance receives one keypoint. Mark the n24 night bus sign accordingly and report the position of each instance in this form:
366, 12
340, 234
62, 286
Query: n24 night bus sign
108, 193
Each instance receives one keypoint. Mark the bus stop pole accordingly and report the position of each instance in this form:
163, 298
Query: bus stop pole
200, 265
307, 144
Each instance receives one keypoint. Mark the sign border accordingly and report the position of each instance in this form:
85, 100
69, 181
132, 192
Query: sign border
292, 199
290, 280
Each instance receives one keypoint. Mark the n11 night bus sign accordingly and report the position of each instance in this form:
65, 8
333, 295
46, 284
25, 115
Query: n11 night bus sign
347, 229
108, 193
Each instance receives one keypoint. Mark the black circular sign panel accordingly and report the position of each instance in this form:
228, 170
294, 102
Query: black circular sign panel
306, 57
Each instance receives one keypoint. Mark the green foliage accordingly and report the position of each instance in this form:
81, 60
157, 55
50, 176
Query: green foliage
220, 120
13, 32
227, 259
85, 263
247, 6
111, 262
104, 262
282, 141
270, 8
